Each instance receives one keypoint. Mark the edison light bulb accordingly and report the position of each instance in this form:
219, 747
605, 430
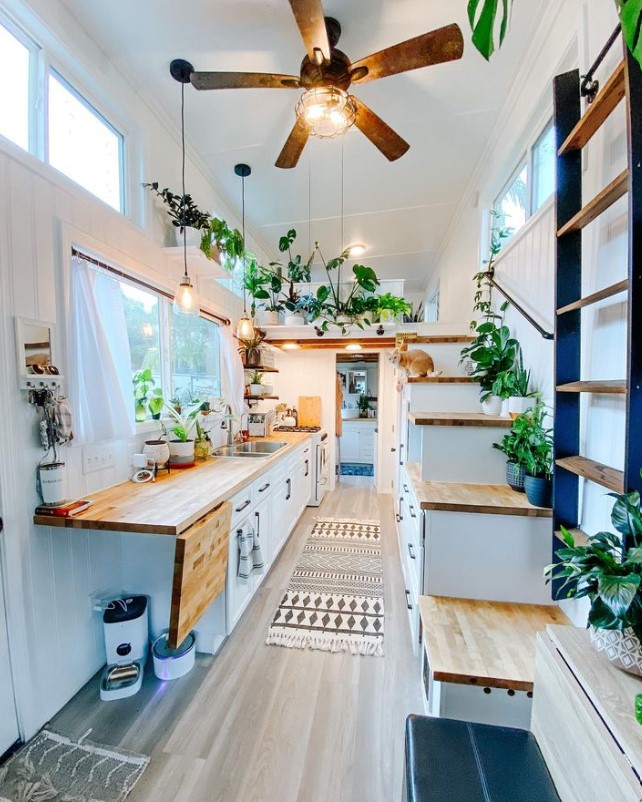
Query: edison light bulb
186, 299
245, 328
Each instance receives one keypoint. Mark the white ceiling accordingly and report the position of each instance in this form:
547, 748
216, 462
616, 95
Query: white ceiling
400, 210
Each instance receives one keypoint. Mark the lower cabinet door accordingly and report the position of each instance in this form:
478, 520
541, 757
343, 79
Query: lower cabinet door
238, 591
263, 529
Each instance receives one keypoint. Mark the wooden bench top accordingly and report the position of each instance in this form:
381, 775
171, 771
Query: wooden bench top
490, 644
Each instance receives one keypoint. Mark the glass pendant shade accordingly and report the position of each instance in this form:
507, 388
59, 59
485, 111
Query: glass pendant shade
186, 298
326, 111
245, 328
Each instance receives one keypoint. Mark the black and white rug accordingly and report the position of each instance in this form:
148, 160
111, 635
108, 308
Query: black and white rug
334, 601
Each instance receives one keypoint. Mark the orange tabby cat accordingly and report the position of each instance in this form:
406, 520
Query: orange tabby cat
415, 363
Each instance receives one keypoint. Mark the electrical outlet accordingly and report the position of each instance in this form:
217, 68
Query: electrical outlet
98, 458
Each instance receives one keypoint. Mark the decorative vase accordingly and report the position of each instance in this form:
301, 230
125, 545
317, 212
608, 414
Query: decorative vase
156, 451
252, 358
202, 449
290, 319
492, 405
268, 389
181, 453
256, 389
267, 317
517, 405
539, 491
515, 475
622, 648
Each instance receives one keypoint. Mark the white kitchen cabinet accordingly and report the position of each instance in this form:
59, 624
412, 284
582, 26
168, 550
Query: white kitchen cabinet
238, 592
263, 529
358, 441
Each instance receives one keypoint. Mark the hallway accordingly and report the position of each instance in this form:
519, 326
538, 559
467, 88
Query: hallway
264, 724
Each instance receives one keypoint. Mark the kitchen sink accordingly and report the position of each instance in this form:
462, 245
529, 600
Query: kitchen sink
259, 449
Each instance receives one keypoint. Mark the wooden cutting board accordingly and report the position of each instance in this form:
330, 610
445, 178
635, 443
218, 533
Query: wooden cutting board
309, 410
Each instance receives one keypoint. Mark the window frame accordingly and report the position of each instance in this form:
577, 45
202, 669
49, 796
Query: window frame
543, 132
33, 100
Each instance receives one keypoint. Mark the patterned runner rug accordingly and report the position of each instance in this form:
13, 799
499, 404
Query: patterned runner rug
334, 601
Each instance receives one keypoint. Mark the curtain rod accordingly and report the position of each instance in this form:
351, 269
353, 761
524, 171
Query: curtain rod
139, 282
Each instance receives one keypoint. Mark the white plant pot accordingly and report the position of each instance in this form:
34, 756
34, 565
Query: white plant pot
343, 320
293, 320
518, 405
623, 649
492, 405
268, 389
266, 317
256, 389
193, 237
181, 451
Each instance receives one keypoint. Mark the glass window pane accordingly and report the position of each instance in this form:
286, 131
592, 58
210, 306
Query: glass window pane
511, 204
14, 89
544, 167
142, 312
196, 365
82, 145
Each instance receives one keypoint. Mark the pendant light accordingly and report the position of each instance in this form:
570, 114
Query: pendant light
186, 299
245, 326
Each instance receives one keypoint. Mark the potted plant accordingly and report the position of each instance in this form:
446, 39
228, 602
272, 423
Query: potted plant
250, 349
256, 383
183, 212
520, 397
181, 445
296, 272
390, 307
265, 285
364, 405
219, 239
611, 578
538, 482
144, 385
514, 446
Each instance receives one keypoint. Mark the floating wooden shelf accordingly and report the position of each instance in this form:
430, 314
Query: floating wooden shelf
605, 102
260, 369
600, 295
580, 537
594, 472
435, 339
600, 203
612, 386
459, 419
441, 380
261, 397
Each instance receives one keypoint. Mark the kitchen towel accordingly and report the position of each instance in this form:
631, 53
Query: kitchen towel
250, 554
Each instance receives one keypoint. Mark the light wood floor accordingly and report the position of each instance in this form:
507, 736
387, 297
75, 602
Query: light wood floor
263, 723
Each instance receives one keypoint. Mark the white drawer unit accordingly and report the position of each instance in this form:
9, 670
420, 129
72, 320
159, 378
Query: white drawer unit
358, 441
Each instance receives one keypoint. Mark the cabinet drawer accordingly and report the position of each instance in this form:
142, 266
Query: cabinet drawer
241, 504
200, 568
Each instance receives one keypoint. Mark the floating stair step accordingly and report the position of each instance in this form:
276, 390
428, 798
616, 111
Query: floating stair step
600, 295
594, 471
600, 203
580, 537
441, 380
605, 102
612, 386
435, 339
459, 419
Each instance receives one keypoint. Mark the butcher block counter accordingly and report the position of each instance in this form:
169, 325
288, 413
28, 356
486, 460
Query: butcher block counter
175, 501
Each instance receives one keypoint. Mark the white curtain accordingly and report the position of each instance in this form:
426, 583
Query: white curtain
100, 381
232, 378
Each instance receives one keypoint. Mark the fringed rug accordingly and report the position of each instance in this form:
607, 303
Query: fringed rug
54, 767
334, 601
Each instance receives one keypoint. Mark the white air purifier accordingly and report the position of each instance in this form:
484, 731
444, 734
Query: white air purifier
126, 632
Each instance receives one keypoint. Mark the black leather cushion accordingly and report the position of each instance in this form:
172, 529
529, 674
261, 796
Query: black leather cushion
457, 761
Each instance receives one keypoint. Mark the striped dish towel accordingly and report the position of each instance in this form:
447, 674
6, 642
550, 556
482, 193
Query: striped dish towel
250, 555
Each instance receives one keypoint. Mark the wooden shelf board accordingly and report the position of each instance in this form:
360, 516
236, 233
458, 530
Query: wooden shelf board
593, 298
605, 102
459, 419
435, 339
599, 204
580, 537
594, 472
475, 498
610, 387
261, 369
484, 643
441, 380
260, 397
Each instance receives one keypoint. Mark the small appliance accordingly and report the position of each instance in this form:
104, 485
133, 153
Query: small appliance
173, 663
126, 632
259, 424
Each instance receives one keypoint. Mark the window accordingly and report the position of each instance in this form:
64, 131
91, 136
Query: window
512, 204
195, 357
15, 82
544, 167
82, 144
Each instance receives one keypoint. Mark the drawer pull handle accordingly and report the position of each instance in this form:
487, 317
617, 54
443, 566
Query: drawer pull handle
408, 605
307, 467
405, 488
258, 523
411, 551
289, 484
243, 506
412, 511
264, 488
398, 518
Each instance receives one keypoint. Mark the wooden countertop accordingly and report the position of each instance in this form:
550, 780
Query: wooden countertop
373, 421
459, 419
490, 644
478, 498
174, 501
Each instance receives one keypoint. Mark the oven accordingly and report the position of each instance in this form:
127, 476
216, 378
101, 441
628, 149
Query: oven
321, 475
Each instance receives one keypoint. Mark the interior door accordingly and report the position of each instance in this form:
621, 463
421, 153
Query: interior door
375, 458
9, 733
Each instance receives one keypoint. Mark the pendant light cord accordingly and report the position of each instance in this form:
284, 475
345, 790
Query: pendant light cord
243, 228
342, 216
183, 176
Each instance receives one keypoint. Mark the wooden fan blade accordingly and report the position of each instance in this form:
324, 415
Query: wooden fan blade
243, 80
293, 147
309, 17
379, 133
444, 44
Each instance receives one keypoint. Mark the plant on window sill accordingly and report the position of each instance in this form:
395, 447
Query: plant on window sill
144, 385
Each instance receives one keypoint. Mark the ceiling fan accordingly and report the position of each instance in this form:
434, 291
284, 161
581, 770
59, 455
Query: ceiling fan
326, 108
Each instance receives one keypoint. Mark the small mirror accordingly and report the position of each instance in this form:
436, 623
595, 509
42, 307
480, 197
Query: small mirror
357, 382
35, 354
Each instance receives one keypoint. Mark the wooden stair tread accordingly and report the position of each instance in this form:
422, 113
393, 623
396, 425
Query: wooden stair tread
594, 472
609, 386
260, 369
580, 537
440, 380
485, 643
468, 497
459, 419
593, 298
260, 397
605, 102
435, 339
599, 204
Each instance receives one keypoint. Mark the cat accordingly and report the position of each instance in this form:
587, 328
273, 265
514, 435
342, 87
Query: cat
415, 363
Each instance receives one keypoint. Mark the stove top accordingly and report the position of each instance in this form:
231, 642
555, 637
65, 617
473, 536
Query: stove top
297, 429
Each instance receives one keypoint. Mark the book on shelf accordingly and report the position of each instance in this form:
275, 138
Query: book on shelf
67, 510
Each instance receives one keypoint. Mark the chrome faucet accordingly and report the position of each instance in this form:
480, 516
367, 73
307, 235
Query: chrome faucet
230, 425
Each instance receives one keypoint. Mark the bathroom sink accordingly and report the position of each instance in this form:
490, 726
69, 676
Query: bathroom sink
258, 449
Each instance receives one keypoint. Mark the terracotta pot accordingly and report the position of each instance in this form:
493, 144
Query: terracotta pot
623, 649
515, 475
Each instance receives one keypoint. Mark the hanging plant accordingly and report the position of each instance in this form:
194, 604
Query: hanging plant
228, 242
182, 210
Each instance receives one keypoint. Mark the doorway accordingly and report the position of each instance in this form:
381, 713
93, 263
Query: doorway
9, 732
357, 415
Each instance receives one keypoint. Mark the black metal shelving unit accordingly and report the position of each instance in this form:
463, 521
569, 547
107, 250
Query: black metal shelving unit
573, 132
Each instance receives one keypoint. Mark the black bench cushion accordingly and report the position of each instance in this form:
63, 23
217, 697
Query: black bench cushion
457, 761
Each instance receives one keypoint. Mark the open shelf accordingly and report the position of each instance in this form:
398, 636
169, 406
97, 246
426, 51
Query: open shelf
605, 102
435, 339
580, 537
441, 380
260, 369
459, 419
599, 204
260, 397
594, 472
593, 298
611, 386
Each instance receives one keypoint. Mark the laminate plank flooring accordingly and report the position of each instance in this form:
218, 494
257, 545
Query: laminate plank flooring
260, 723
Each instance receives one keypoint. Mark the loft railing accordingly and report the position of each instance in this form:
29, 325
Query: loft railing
547, 335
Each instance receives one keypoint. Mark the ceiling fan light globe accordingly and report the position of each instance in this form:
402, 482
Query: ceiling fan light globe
327, 111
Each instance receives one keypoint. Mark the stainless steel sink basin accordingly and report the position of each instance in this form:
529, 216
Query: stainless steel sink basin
258, 449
